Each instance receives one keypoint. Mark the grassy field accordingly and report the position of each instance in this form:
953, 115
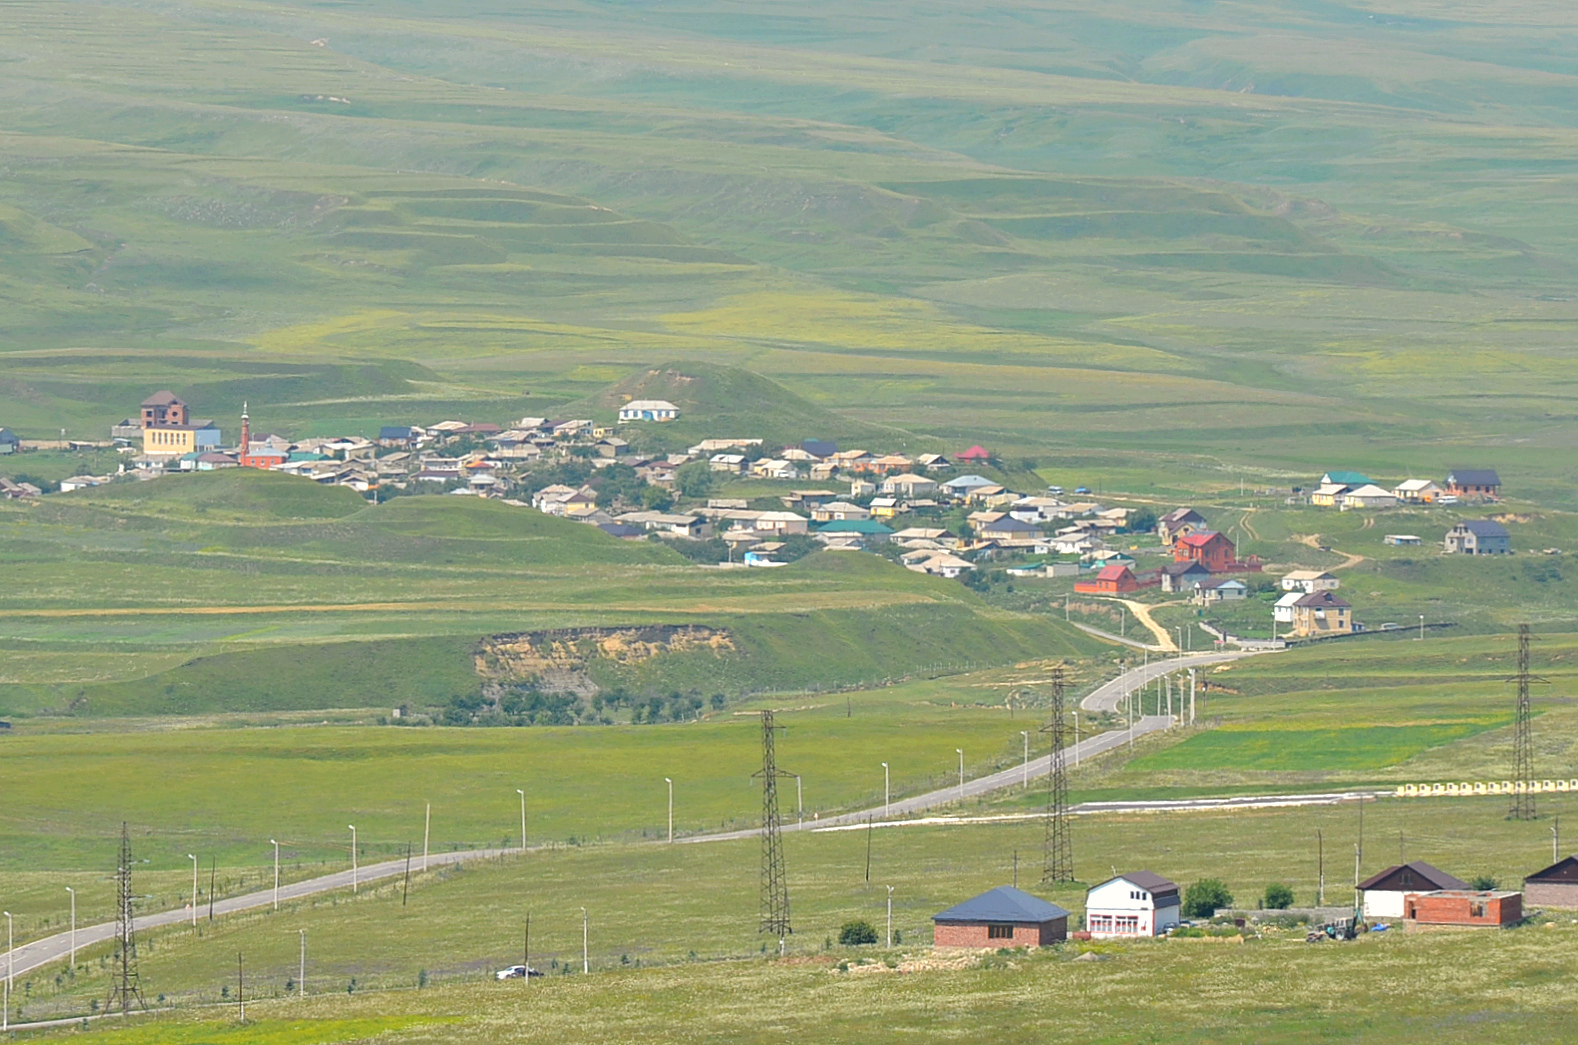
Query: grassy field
1072, 234
683, 907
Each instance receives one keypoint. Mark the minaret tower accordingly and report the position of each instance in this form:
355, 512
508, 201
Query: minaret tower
246, 429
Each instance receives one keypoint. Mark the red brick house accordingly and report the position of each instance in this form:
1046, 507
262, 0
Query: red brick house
1112, 580
1003, 917
1463, 907
1210, 549
1555, 886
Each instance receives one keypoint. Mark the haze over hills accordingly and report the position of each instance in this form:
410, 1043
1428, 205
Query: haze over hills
1039, 224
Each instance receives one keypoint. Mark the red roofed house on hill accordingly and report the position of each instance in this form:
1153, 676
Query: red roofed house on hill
1213, 550
974, 454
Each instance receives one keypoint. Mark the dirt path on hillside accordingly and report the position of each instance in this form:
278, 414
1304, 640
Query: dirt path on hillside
1248, 526
1142, 613
1313, 541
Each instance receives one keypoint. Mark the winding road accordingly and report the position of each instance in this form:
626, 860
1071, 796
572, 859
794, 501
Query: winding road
1107, 697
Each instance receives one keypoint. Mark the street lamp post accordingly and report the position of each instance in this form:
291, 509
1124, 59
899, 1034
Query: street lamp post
193, 857
276, 872
1026, 735
1421, 627
586, 965
890, 916
960, 753
301, 974
353, 857
670, 782
522, 793
886, 789
73, 893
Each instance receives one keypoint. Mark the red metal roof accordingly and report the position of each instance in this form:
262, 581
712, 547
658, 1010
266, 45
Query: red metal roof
1111, 573
1199, 538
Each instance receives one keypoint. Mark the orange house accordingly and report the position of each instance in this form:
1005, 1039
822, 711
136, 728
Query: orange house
1112, 580
1210, 549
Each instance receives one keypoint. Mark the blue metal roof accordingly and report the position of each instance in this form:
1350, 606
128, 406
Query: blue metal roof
1003, 904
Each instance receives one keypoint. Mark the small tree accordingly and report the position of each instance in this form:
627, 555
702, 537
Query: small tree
1203, 898
694, 478
1278, 897
857, 932
1484, 882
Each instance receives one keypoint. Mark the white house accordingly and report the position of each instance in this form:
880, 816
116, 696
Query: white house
1282, 612
648, 410
1416, 491
1383, 893
734, 463
1136, 904
941, 564
1308, 581
1367, 496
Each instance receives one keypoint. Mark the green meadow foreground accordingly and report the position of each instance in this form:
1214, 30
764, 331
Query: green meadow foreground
675, 955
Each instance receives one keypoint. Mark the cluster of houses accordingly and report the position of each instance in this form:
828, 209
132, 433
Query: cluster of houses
1349, 491
1142, 904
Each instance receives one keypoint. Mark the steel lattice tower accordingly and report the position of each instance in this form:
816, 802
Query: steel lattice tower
775, 885
1059, 844
1523, 737
125, 987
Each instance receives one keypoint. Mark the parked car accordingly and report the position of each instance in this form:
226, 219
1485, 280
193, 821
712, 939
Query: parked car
1082, 489
516, 972
1054, 490
1390, 625
1447, 498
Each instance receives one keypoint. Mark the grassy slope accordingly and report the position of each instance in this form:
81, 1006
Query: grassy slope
274, 593
1050, 228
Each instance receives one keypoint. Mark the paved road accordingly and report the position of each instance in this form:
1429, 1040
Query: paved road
1108, 696
58, 947
31, 955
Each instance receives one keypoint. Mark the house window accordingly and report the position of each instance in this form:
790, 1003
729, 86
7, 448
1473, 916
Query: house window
1476, 910
999, 932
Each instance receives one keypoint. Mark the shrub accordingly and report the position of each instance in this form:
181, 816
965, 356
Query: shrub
857, 932
1278, 897
1484, 882
1203, 898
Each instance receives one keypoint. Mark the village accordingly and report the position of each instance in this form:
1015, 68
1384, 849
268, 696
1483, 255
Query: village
918, 510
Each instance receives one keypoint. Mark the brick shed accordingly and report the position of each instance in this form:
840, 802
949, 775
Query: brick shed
1004, 917
1464, 907
1556, 886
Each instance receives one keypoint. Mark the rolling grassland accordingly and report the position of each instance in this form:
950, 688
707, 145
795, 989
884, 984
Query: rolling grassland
1185, 243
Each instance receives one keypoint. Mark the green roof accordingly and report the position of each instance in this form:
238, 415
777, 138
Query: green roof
868, 527
1347, 478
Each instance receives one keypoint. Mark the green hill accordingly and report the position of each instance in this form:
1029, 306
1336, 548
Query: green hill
229, 494
725, 401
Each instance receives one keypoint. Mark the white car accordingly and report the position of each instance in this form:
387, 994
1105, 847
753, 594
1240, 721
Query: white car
516, 972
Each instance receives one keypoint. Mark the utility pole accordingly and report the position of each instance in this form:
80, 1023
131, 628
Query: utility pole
427, 826
960, 753
1191, 696
275, 844
586, 964
1026, 734
125, 987
241, 988
890, 917
193, 857
670, 782
522, 793
1523, 739
354, 882
72, 961
1320, 863
1059, 846
887, 790
774, 884
526, 949
301, 974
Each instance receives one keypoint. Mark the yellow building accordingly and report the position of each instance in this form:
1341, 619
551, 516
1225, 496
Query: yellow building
171, 441
1320, 613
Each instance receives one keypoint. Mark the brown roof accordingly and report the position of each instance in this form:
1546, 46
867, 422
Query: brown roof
1561, 871
1323, 600
164, 398
1414, 876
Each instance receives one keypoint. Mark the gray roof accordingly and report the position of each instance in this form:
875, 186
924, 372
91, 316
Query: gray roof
1150, 881
1484, 527
1003, 904
1474, 477
1177, 569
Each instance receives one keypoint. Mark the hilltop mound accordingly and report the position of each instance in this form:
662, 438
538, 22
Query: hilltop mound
245, 493
727, 401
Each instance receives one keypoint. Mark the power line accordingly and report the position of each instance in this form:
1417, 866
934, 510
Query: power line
1059, 865
775, 885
